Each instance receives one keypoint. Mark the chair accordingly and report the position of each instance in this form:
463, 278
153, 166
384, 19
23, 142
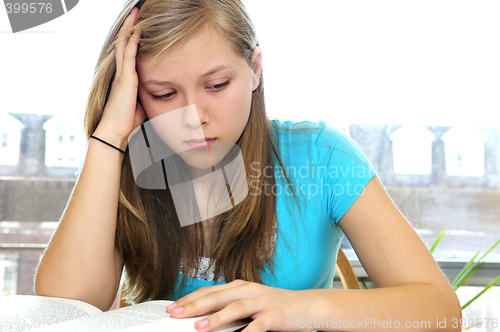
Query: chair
345, 272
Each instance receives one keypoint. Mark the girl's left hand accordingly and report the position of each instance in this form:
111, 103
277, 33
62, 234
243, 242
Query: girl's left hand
272, 309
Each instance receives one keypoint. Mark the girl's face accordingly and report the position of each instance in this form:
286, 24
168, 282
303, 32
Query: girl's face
206, 89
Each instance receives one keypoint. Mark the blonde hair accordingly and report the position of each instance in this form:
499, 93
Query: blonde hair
148, 235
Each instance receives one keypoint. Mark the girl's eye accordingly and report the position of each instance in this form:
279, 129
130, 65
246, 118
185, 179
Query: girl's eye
169, 95
165, 96
220, 86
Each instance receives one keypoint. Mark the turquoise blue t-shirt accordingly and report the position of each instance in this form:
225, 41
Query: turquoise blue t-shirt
329, 172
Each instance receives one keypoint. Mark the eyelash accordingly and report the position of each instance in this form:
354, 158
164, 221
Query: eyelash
170, 94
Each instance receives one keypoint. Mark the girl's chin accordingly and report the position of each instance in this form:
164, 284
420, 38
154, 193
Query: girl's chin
200, 166
202, 161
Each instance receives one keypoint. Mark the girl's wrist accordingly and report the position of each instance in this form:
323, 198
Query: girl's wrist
321, 306
111, 137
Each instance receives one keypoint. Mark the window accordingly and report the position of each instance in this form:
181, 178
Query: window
465, 153
8, 274
412, 150
64, 141
10, 137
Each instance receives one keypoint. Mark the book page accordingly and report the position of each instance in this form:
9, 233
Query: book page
25, 312
145, 317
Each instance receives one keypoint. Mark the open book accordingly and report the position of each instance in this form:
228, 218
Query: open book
39, 313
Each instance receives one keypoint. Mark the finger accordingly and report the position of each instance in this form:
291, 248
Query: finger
129, 56
233, 311
122, 40
215, 300
123, 37
262, 324
203, 291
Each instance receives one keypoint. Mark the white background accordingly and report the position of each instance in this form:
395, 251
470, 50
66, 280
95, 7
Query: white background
434, 62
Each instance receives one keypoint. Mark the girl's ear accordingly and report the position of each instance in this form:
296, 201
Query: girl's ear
256, 67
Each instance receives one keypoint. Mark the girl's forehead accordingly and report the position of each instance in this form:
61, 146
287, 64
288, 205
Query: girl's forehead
199, 50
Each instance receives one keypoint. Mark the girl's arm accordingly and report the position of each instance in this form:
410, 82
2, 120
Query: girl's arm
412, 294
411, 287
81, 261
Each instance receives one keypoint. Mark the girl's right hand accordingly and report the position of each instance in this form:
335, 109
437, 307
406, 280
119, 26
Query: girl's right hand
122, 112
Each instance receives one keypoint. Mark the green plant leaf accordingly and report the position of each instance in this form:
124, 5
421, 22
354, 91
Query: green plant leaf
470, 268
492, 247
491, 284
464, 270
467, 275
437, 240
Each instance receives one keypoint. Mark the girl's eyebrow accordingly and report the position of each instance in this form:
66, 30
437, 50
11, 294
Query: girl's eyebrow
208, 73
216, 69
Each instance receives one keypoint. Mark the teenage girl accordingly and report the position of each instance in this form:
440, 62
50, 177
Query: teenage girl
272, 255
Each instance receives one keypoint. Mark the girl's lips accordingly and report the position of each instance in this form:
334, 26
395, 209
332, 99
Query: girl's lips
201, 145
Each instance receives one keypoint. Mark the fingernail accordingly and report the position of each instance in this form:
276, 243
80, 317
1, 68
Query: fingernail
133, 9
203, 323
171, 306
177, 310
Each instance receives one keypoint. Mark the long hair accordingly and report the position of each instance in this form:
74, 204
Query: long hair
149, 237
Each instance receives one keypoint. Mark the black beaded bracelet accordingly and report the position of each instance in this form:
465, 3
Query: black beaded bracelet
111, 145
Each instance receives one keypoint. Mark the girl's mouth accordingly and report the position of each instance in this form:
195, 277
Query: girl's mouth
199, 145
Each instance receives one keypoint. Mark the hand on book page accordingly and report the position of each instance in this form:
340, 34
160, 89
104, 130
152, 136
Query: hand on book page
270, 308
38, 313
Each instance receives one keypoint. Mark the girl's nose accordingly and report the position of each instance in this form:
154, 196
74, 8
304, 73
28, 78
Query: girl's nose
194, 116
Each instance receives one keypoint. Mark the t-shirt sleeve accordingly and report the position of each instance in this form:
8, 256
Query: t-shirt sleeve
346, 170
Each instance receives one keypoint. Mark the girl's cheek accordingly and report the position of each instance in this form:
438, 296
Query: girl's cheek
151, 110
